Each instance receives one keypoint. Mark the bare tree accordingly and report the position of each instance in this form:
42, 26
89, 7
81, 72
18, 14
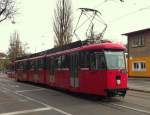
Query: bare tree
62, 24
16, 48
7, 9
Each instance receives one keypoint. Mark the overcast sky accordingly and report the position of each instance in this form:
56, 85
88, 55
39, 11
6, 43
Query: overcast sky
35, 20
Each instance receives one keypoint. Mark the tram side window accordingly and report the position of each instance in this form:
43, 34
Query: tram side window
24, 65
36, 65
17, 66
97, 61
31, 64
58, 62
52, 65
20, 65
43, 64
10, 67
62, 61
84, 60
65, 61
28, 65
47, 63
40, 63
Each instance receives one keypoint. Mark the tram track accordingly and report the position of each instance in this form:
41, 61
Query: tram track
122, 107
139, 94
19, 93
127, 104
131, 108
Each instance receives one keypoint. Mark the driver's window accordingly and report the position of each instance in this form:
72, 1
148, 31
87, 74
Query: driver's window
100, 62
97, 61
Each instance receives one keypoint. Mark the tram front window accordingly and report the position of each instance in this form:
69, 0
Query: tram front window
115, 60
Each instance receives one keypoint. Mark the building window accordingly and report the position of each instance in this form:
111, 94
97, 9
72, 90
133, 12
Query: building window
139, 66
138, 41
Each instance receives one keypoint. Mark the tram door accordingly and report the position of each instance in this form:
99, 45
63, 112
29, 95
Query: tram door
74, 80
52, 68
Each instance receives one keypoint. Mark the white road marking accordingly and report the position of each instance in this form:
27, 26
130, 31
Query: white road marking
3, 91
131, 108
63, 112
31, 99
4, 84
37, 101
23, 100
46, 105
60, 111
14, 86
21, 91
26, 111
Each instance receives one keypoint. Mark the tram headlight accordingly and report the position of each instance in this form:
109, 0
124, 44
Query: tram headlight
118, 80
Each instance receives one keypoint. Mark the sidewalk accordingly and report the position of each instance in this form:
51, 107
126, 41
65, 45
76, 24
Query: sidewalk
139, 84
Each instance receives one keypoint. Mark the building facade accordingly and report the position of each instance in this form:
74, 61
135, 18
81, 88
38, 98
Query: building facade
139, 53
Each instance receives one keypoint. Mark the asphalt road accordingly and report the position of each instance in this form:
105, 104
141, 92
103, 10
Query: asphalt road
18, 98
139, 84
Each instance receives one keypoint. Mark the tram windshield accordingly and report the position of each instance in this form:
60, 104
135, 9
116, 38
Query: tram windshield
115, 59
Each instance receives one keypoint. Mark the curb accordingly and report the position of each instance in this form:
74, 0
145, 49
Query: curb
139, 90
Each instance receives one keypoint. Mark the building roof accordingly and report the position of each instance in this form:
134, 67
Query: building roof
137, 31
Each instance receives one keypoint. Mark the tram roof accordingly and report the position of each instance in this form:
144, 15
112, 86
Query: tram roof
33, 58
80, 48
91, 47
104, 46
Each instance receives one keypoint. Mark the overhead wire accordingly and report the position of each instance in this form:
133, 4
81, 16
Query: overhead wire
130, 13
125, 15
103, 22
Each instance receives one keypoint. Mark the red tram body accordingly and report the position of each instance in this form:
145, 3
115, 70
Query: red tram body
10, 70
97, 69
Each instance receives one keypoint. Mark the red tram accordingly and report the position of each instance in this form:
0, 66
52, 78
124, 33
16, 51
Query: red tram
10, 70
98, 69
